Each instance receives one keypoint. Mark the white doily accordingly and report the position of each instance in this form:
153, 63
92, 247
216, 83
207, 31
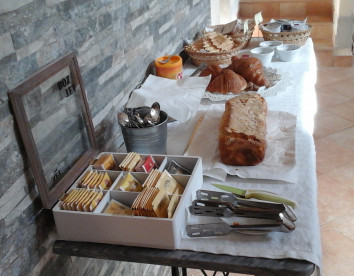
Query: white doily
279, 82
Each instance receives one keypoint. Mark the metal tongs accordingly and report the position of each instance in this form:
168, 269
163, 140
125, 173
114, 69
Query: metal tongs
226, 209
221, 229
238, 205
219, 204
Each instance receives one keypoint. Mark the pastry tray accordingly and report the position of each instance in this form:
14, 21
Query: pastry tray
96, 226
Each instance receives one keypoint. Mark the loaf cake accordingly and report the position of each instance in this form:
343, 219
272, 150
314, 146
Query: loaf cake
242, 134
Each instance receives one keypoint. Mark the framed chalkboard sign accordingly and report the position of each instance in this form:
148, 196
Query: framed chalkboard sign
56, 127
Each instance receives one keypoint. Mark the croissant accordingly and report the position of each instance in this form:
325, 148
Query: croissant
251, 69
227, 81
214, 70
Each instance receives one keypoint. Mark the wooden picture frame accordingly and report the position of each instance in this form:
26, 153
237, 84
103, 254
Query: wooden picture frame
56, 127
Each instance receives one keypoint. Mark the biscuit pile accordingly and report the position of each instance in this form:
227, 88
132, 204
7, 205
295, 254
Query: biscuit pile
212, 42
95, 180
152, 202
81, 200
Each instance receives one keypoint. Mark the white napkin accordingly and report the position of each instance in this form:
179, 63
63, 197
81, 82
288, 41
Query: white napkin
180, 99
279, 161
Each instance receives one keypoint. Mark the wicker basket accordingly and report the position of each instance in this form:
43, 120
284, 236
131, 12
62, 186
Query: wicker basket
219, 58
223, 57
297, 37
244, 39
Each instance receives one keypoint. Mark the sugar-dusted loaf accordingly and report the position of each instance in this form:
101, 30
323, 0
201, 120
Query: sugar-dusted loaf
242, 136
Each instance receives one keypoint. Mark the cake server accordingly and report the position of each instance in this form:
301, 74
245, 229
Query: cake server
257, 194
237, 201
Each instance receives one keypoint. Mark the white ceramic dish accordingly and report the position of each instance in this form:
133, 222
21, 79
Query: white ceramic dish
272, 43
264, 54
288, 52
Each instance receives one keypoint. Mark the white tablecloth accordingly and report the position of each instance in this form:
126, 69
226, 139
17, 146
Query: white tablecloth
304, 242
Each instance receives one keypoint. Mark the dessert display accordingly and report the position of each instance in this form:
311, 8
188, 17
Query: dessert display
242, 133
81, 200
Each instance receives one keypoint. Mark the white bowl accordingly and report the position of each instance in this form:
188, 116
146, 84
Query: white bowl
264, 54
288, 52
272, 43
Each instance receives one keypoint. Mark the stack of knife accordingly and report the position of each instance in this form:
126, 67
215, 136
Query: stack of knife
274, 212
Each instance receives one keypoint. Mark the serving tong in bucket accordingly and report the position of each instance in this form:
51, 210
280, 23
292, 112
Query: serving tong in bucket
278, 217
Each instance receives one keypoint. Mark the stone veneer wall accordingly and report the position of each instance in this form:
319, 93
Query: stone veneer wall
114, 40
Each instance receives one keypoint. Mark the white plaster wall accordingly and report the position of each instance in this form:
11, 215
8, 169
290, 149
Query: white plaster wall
223, 11
343, 27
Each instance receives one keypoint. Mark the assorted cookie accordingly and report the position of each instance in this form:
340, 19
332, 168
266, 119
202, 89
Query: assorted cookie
81, 200
158, 195
212, 42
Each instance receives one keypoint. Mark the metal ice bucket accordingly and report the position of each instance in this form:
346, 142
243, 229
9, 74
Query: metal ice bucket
147, 140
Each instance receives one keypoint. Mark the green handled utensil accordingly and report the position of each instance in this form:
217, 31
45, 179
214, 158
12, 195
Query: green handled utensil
257, 194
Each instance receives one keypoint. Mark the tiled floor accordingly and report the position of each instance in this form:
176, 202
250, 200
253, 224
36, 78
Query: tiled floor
334, 140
